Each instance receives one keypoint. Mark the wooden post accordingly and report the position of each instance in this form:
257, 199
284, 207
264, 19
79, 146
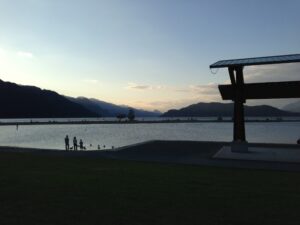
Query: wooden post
231, 75
239, 100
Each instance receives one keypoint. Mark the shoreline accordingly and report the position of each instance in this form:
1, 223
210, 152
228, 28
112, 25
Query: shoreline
141, 122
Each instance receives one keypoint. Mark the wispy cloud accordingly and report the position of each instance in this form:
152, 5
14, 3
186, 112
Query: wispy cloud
272, 73
176, 96
187, 95
22, 54
163, 105
208, 89
202, 89
167, 104
134, 86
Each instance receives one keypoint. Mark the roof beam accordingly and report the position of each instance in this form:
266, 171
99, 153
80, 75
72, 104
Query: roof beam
257, 61
270, 90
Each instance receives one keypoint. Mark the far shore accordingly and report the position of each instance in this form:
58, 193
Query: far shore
168, 120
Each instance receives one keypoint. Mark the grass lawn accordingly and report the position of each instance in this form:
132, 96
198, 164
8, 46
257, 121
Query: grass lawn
36, 189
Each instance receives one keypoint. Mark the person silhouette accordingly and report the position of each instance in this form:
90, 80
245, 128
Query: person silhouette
75, 144
67, 143
81, 144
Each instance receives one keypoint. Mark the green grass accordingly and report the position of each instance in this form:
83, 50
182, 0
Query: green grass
63, 190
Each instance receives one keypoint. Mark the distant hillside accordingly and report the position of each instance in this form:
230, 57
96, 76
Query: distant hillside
226, 110
90, 105
18, 101
108, 109
293, 107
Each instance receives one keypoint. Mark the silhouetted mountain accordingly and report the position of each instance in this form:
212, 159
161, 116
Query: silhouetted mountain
109, 109
19, 101
90, 105
225, 109
292, 107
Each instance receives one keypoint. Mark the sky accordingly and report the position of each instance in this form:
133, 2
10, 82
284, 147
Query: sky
146, 54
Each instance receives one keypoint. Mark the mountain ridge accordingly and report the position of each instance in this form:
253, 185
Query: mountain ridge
109, 109
27, 101
24, 101
292, 107
215, 109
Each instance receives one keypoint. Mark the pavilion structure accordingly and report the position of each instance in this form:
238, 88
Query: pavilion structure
239, 91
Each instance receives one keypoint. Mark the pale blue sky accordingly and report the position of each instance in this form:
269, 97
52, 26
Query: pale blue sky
151, 54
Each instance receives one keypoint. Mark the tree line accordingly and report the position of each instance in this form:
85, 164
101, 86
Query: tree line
130, 115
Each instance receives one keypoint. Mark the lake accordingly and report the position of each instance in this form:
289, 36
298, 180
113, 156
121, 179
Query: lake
117, 135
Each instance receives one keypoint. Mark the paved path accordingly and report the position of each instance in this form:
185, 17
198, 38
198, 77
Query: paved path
180, 152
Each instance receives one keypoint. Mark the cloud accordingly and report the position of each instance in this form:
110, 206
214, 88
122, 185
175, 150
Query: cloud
272, 73
134, 86
190, 95
163, 105
91, 81
174, 96
167, 104
210, 89
22, 54
182, 95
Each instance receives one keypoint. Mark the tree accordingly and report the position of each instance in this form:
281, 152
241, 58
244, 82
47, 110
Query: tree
131, 114
121, 116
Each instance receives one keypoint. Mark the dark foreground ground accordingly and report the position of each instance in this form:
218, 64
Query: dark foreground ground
88, 188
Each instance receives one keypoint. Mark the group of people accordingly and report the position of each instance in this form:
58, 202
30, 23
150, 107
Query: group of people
75, 144
81, 147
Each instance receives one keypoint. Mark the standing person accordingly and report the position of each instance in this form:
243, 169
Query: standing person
67, 143
81, 144
75, 144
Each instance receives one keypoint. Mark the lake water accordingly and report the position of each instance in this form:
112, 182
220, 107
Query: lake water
117, 135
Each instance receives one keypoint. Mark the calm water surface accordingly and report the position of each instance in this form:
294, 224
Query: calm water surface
117, 135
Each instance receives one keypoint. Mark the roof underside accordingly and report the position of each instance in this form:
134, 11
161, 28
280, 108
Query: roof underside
257, 61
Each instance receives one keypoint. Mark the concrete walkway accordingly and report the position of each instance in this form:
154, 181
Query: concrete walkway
275, 154
179, 152
201, 153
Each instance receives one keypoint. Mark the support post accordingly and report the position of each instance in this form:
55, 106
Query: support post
239, 137
239, 122
231, 75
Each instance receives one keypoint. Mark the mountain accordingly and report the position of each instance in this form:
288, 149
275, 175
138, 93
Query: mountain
19, 101
225, 109
293, 107
90, 105
106, 109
